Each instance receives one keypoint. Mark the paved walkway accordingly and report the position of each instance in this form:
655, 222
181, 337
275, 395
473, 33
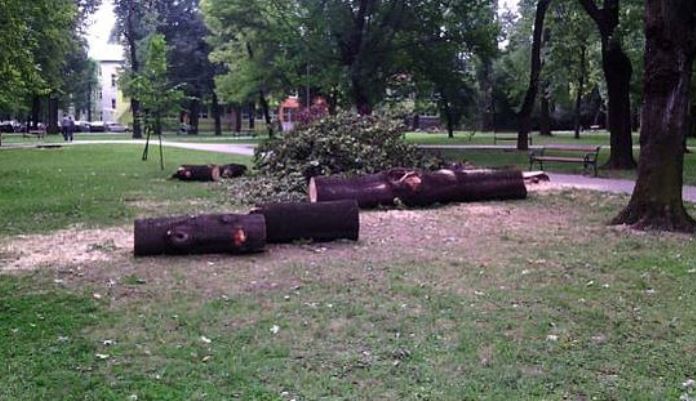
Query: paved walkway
613, 185
231, 148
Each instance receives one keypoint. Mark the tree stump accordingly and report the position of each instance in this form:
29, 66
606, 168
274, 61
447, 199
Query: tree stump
319, 222
232, 170
188, 172
419, 188
212, 233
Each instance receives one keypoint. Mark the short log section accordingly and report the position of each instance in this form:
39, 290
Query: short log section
232, 170
419, 188
189, 172
318, 222
212, 233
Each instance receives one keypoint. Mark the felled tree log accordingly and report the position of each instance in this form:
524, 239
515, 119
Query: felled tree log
189, 172
419, 188
212, 233
232, 170
319, 222
369, 190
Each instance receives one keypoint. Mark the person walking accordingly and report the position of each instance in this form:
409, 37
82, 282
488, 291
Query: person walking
71, 128
65, 127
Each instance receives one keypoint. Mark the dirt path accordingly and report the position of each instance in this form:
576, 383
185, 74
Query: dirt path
612, 185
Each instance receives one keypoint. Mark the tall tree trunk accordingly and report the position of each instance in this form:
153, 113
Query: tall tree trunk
216, 115
545, 113
89, 100
252, 116
52, 127
670, 44
237, 119
266, 113
581, 89
486, 107
525, 114
35, 111
449, 118
194, 115
360, 98
617, 73
135, 67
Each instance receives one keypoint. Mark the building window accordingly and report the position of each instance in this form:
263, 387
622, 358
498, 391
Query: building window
113, 103
113, 80
101, 95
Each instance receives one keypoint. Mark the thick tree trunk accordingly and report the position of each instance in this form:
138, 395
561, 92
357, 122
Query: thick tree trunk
525, 114
319, 222
232, 170
617, 73
617, 70
670, 33
418, 188
221, 233
449, 118
35, 112
195, 115
581, 89
187, 172
216, 115
266, 113
545, 114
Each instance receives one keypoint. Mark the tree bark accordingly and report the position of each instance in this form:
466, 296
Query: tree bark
135, 67
194, 115
545, 113
252, 115
237, 119
198, 173
319, 222
670, 45
216, 115
617, 73
486, 104
418, 188
525, 114
52, 127
35, 112
232, 170
581, 89
221, 233
266, 113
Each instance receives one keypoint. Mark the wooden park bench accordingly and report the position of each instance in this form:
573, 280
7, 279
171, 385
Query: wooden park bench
37, 133
585, 155
508, 136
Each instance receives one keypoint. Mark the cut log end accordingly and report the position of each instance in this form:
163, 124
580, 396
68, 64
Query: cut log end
215, 173
312, 190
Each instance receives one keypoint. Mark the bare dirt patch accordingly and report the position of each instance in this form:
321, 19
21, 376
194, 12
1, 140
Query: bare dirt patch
460, 235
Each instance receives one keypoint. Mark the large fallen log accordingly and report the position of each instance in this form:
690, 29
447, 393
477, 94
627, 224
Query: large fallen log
232, 170
419, 188
319, 222
369, 190
189, 172
212, 233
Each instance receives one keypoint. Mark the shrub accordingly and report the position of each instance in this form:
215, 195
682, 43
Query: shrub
341, 144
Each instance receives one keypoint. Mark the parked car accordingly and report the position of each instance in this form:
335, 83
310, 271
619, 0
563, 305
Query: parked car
97, 126
82, 126
115, 127
7, 126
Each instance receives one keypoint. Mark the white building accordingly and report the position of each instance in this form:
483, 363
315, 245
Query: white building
109, 100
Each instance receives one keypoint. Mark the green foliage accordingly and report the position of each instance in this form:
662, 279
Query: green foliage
151, 86
341, 144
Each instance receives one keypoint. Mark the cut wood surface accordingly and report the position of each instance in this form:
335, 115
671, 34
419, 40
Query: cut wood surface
211, 233
189, 172
320, 222
419, 188
232, 170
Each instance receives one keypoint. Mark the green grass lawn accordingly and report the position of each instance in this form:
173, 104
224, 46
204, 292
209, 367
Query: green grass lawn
46, 189
532, 300
569, 310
